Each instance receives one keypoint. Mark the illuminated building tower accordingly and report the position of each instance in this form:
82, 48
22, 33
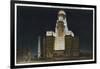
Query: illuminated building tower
61, 44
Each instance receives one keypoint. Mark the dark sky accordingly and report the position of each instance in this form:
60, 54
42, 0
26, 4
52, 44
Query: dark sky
35, 21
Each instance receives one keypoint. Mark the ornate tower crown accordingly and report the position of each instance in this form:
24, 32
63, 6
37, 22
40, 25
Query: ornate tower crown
61, 12
61, 15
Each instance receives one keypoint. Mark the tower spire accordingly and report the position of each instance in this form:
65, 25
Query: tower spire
62, 19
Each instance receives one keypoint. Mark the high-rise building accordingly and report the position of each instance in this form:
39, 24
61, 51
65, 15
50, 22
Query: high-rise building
61, 44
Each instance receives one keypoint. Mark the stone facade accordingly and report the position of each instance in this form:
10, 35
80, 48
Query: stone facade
72, 49
48, 44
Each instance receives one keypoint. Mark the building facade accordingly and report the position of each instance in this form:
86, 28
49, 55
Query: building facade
61, 44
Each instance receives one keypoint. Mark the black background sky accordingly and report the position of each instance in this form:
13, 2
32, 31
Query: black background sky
35, 21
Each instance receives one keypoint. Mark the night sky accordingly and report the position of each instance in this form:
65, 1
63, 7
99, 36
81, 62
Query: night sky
35, 21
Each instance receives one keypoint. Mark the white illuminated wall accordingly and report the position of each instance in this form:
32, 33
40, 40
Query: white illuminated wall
59, 43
